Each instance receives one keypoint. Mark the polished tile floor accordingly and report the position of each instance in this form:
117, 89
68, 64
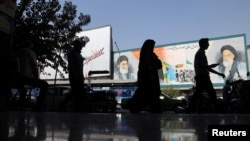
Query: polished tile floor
120, 126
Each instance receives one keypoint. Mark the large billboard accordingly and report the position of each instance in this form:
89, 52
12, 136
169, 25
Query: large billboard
178, 61
97, 54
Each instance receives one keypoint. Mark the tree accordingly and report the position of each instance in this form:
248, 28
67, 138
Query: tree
51, 27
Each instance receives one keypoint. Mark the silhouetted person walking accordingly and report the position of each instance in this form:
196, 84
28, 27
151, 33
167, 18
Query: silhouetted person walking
76, 77
202, 77
28, 74
148, 91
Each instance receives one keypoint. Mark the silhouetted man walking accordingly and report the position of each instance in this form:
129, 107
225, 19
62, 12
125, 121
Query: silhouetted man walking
202, 77
76, 78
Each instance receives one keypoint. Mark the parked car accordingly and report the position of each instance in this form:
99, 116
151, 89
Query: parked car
167, 103
56, 94
98, 101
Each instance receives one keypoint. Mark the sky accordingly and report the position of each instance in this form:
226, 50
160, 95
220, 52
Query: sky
166, 21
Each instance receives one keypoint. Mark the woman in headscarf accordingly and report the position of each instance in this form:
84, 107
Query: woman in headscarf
148, 91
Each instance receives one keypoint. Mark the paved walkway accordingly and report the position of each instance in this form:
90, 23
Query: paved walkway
120, 126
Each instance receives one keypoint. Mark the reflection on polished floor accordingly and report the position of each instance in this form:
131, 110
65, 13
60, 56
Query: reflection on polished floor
53, 126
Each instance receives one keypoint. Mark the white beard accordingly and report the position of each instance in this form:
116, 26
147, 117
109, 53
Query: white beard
228, 64
123, 71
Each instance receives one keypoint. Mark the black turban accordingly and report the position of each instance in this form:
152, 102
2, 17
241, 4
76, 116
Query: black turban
230, 48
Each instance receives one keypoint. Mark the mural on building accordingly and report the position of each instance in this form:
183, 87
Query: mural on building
177, 60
